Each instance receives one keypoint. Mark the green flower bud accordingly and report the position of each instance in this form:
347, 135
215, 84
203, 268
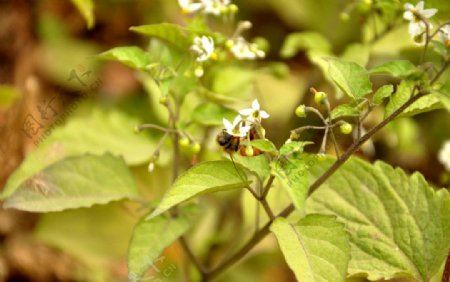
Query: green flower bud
195, 148
346, 128
163, 100
249, 151
320, 97
344, 16
300, 111
184, 142
232, 8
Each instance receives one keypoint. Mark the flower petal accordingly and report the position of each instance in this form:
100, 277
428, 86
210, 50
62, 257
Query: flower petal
408, 6
227, 124
264, 114
246, 112
236, 121
420, 6
428, 13
408, 15
255, 105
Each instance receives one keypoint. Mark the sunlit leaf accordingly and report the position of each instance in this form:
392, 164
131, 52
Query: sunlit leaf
131, 56
262, 144
167, 32
150, 238
357, 53
399, 68
304, 41
316, 248
382, 92
350, 77
206, 177
345, 110
256, 164
75, 182
398, 224
99, 132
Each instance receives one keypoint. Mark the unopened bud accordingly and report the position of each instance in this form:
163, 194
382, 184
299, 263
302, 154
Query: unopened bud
163, 100
300, 111
195, 148
184, 142
346, 128
249, 151
151, 167
232, 8
199, 71
320, 97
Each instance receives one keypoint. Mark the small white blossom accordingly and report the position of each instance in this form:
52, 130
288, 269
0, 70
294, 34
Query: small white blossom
189, 6
444, 33
244, 50
416, 26
215, 7
254, 114
444, 155
237, 128
203, 47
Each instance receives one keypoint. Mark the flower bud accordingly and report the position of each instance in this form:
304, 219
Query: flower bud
163, 100
232, 8
300, 111
151, 166
346, 128
320, 97
249, 151
344, 16
184, 142
195, 148
199, 71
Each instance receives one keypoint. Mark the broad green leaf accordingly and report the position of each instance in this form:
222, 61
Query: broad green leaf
75, 182
86, 8
345, 110
443, 94
316, 248
99, 132
233, 82
131, 56
399, 68
262, 144
212, 114
150, 238
206, 177
401, 96
294, 147
170, 33
293, 172
96, 237
256, 164
349, 77
382, 92
398, 224
357, 53
300, 41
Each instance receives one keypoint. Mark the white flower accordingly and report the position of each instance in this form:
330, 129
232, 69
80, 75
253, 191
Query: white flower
444, 155
237, 128
254, 114
416, 26
243, 50
204, 47
189, 7
215, 7
444, 33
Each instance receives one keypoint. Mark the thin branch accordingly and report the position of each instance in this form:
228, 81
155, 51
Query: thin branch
267, 187
267, 208
154, 126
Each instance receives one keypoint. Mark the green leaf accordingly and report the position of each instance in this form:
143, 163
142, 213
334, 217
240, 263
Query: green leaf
262, 144
293, 173
443, 94
86, 8
398, 224
256, 164
170, 33
299, 41
212, 114
150, 238
97, 133
382, 92
399, 68
75, 182
294, 147
349, 77
345, 110
316, 248
402, 95
357, 53
204, 178
131, 56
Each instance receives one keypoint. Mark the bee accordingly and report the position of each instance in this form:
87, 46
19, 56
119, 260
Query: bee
232, 144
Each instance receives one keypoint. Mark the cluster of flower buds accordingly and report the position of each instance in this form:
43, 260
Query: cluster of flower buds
245, 120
